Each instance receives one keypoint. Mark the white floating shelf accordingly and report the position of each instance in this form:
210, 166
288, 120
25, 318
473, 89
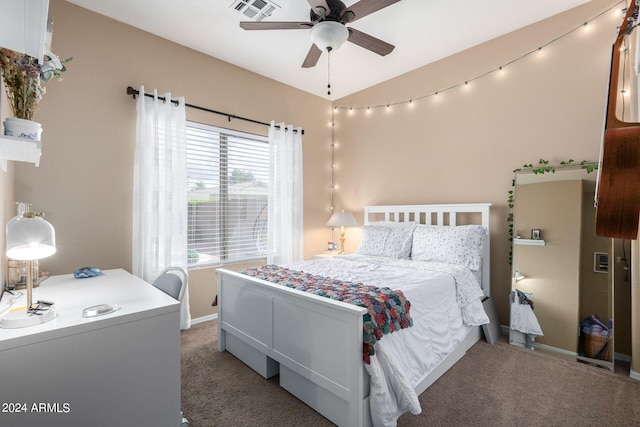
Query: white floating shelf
529, 242
22, 150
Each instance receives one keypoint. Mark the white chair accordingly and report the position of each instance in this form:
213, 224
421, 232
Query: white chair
173, 282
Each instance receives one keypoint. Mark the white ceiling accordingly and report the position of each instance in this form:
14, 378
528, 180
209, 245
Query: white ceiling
423, 31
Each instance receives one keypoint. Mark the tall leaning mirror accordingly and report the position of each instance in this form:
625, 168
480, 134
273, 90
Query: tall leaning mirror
562, 285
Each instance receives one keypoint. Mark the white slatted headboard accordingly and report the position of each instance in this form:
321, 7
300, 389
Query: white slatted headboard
446, 215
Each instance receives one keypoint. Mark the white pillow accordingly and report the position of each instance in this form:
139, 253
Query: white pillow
460, 245
392, 241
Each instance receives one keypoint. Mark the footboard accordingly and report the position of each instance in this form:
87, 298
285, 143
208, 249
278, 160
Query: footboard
314, 343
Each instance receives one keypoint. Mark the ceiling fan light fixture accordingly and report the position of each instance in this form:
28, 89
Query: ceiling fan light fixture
329, 35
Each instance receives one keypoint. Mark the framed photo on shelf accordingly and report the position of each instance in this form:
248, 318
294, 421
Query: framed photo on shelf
535, 234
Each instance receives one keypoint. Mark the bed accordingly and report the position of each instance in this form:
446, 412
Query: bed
315, 344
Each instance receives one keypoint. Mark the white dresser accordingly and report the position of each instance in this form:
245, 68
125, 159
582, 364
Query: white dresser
119, 369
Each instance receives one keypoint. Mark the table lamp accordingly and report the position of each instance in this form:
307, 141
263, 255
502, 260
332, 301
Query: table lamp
29, 238
342, 219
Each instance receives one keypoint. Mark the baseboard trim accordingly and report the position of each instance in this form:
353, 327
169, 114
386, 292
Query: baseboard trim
213, 316
623, 357
634, 375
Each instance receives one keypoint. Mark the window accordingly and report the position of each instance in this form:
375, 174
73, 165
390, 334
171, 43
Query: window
227, 180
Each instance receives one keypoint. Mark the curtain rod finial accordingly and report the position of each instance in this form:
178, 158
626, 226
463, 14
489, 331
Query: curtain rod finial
131, 91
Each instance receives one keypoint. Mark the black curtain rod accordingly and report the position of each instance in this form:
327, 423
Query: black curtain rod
134, 92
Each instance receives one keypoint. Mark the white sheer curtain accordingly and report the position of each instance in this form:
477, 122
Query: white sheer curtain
160, 190
284, 232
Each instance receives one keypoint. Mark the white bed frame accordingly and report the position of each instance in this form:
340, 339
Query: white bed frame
315, 343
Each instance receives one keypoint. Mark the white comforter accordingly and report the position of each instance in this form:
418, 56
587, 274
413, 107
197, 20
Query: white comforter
445, 303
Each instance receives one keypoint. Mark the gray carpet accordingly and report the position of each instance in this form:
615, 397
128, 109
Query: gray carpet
493, 385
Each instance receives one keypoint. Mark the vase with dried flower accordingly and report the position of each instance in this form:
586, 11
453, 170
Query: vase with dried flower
24, 80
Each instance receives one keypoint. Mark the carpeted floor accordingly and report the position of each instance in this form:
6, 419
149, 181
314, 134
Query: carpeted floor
493, 385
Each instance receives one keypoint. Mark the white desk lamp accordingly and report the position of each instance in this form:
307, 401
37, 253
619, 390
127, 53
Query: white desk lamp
29, 237
342, 219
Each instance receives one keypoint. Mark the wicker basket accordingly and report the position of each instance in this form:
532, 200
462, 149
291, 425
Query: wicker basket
598, 347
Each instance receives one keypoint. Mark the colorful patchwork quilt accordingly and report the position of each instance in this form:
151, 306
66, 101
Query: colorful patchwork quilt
388, 310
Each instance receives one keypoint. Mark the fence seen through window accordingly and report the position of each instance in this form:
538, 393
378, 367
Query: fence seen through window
227, 180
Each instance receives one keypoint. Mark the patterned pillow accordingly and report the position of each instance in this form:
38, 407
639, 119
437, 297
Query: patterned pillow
392, 241
460, 245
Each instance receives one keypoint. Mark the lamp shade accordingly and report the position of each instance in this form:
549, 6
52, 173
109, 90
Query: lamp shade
30, 238
329, 35
342, 219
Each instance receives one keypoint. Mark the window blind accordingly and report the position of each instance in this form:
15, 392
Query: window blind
228, 175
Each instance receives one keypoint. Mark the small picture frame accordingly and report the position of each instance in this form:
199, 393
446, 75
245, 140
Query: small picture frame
535, 234
600, 262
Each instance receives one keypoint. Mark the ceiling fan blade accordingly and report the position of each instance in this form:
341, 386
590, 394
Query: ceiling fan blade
364, 8
270, 25
369, 42
312, 57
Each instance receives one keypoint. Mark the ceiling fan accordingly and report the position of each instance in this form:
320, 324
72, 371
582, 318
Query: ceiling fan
328, 27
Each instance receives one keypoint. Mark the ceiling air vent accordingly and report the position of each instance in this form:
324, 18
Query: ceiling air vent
256, 10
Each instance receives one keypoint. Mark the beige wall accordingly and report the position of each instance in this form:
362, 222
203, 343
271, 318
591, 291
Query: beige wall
463, 145
596, 295
461, 148
84, 181
622, 297
635, 308
7, 209
552, 272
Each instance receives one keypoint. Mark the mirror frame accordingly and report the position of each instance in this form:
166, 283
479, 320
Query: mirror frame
543, 168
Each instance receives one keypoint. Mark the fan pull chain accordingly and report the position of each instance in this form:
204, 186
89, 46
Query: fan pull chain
329, 70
